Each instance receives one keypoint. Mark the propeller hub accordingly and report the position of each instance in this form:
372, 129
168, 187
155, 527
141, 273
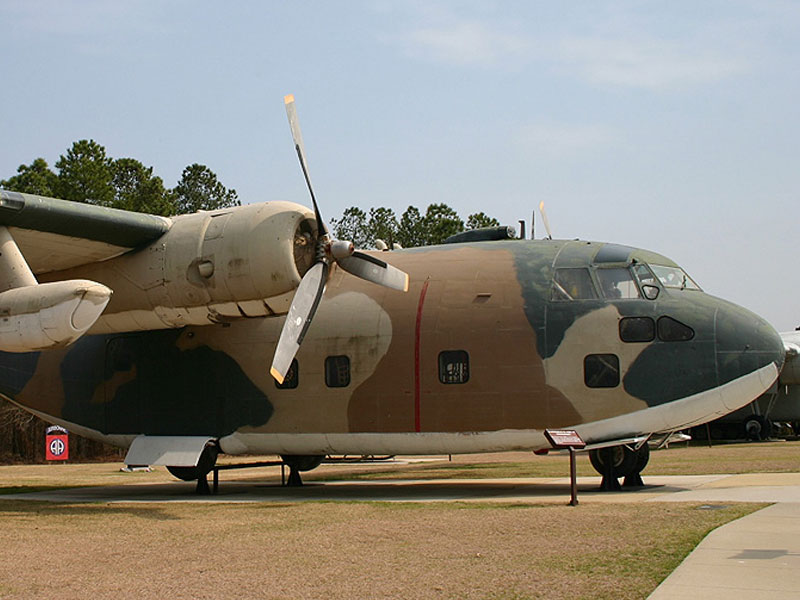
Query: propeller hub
341, 249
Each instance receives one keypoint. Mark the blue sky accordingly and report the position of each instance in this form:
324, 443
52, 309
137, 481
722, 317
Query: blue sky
671, 126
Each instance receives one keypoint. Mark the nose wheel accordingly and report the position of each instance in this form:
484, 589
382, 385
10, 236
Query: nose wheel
616, 462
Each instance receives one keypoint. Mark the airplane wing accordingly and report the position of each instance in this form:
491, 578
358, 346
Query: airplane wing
56, 234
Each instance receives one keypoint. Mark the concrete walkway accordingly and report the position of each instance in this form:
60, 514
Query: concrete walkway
755, 557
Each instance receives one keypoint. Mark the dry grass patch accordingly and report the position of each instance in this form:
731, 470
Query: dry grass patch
346, 550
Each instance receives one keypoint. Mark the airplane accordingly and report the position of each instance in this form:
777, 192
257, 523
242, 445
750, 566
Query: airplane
251, 330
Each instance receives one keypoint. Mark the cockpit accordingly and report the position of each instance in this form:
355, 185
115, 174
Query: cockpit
617, 276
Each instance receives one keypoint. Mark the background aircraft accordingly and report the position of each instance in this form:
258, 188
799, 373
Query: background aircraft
250, 330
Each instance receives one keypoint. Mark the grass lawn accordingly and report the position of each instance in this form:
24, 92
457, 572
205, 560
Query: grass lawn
354, 550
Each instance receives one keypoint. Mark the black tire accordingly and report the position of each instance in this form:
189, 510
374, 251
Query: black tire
623, 459
757, 428
302, 462
642, 458
206, 462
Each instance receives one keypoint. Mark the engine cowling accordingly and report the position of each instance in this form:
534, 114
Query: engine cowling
49, 315
210, 266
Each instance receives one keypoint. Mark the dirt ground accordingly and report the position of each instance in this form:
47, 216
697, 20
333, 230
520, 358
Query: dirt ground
345, 550
360, 550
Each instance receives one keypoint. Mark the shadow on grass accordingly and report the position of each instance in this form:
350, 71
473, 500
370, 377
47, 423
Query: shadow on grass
46, 508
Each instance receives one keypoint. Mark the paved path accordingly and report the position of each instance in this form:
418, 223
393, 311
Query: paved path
755, 557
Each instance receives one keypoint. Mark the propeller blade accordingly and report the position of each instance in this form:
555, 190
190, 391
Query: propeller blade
304, 305
374, 270
545, 221
297, 136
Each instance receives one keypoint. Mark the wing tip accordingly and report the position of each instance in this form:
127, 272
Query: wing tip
276, 374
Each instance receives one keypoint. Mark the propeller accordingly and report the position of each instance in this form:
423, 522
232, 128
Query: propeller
312, 285
545, 221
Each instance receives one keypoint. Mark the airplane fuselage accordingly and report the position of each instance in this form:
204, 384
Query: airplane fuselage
493, 343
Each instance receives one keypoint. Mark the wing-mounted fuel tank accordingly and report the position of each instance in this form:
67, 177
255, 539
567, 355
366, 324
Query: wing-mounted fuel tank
209, 267
36, 316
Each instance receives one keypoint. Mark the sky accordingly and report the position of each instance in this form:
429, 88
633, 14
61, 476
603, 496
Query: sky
671, 126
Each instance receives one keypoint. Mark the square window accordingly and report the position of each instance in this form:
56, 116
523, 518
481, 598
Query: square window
637, 329
601, 370
453, 366
292, 377
337, 371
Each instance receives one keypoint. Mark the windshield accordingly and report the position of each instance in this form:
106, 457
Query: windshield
674, 277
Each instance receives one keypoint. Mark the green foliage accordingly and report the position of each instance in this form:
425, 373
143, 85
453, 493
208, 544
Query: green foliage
87, 174
84, 174
412, 230
199, 189
136, 189
36, 178
441, 222
481, 219
352, 226
382, 225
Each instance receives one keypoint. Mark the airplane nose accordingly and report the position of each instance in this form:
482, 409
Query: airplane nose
745, 343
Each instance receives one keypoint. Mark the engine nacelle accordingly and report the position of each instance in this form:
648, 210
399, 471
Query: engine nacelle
49, 315
210, 266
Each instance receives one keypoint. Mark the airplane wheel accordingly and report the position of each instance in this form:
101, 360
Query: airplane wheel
624, 461
642, 458
757, 428
302, 462
204, 465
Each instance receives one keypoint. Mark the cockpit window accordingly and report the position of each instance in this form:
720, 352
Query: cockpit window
617, 283
572, 284
647, 280
674, 277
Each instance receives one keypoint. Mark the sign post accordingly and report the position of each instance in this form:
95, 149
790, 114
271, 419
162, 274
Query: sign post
567, 439
56, 443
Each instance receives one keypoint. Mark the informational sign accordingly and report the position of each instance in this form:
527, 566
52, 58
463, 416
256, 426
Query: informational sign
56, 443
564, 438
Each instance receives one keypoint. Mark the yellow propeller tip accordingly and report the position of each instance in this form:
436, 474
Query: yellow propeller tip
541, 205
276, 374
288, 98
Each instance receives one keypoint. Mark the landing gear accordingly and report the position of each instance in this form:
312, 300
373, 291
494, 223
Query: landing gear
200, 472
757, 428
620, 461
298, 463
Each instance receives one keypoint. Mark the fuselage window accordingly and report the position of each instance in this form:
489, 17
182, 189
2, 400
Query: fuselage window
637, 329
674, 277
292, 377
453, 366
670, 330
337, 371
572, 284
648, 281
617, 283
601, 370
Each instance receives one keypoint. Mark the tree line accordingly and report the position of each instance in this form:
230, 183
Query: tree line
85, 173
412, 229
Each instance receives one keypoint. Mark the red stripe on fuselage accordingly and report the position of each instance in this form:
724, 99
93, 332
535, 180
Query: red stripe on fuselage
417, 333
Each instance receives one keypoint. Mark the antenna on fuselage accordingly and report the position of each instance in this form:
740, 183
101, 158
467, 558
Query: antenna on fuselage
545, 221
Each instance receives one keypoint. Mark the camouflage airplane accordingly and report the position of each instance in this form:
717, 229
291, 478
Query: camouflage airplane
207, 344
